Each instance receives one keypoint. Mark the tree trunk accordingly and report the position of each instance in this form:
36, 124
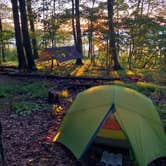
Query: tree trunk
112, 45
44, 25
2, 43
148, 10
32, 28
53, 26
142, 8
18, 36
78, 31
73, 23
130, 56
90, 45
0, 40
90, 37
26, 38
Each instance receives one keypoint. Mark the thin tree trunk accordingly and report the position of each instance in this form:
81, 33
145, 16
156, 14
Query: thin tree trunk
148, 10
18, 36
138, 6
91, 44
44, 26
32, 28
2, 43
78, 30
142, 7
117, 21
73, 23
0, 39
26, 38
112, 45
53, 29
130, 56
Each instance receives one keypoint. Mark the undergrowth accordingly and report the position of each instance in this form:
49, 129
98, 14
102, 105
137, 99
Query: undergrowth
27, 107
25, 97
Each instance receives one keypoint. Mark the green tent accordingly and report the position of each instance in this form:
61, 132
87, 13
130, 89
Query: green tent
134, 112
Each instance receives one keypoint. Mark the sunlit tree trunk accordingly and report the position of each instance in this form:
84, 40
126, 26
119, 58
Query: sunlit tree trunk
26, 38
18, 36
32, 28
112, 45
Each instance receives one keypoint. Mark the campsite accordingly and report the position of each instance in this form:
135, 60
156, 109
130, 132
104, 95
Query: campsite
82, 83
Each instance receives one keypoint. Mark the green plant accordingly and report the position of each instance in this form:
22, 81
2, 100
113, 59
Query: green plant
6, 90
37, 89
26, 107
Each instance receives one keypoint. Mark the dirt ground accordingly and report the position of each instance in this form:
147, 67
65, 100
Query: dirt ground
27, 140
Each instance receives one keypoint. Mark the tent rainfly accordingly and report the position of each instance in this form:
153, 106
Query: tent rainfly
134, 119
61, 54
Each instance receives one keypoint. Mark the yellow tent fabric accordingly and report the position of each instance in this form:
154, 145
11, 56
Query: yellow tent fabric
134, 112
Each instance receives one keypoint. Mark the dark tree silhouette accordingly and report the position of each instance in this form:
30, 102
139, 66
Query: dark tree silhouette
26, 38
78, 31
112, 45
19, 44
32, 28
2, 49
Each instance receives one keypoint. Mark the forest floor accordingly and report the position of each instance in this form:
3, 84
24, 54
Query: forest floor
29, 123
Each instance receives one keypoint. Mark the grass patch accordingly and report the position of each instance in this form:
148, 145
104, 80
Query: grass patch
35, 89
23, 97
26, 107
10, 58
6, 90
142, 87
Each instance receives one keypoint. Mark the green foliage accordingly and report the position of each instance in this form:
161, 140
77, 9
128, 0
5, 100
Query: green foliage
23, 97
143, 87
26, 107
35, 89
145, 38
6, 90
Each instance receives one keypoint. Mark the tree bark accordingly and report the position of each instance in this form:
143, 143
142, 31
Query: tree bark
73, 23
18, 36
32, 28
2, 43
142, 8
53, 25
90, 37
26, 38
78, 31
112, 45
